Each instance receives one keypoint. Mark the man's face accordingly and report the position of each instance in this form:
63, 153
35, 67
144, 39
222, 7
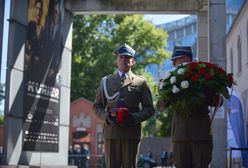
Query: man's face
181, 60
38, 11
124, 62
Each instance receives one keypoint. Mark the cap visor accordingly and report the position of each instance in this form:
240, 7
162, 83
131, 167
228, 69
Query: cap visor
175, 57
126, 54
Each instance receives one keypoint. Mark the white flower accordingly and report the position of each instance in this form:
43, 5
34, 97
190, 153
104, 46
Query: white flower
180, 71
185, 84
167, 75
161, 84
175, 89
173, 79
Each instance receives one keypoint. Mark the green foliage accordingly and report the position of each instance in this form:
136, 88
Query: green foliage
2, 92
95, 37
1, 119
92, 58
164, 118
147, 40
160, 123
2, 96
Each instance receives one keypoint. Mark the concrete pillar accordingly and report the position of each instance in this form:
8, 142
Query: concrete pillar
14, 156
2, 3
132, 6
217, 54
202, 36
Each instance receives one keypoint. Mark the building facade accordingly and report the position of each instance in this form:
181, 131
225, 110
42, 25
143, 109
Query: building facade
184, 32
85, 128
237, 59
180, 32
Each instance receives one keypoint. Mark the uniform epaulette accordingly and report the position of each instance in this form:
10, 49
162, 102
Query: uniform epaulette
142, 77
107, 76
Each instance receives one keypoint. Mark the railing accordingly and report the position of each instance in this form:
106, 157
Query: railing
157, 159
98, 161
230, 154
1, 156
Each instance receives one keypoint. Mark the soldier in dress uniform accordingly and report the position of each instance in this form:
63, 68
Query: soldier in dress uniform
131, 92
191, 136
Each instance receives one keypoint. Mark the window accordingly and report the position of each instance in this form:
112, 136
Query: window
180, 33
99, 142
188, 30
239, 55
194, 28
171, 36
228, 18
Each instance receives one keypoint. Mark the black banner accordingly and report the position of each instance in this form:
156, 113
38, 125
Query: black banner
42, 76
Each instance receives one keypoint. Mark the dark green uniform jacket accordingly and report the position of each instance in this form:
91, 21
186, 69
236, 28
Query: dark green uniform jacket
196, 127
138, 100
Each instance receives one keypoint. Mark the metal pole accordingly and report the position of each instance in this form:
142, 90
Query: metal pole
230, 158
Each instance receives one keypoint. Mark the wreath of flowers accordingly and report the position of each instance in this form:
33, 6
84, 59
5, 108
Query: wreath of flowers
185, 87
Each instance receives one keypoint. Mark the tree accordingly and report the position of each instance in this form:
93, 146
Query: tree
2, 92
159, 125
94, 39
91, 50
2, 96
1, 119
1, 99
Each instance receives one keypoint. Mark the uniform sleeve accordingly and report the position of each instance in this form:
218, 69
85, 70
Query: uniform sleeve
147, 109
99, 104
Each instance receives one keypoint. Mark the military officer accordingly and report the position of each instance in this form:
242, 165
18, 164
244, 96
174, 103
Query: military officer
122, 140
191, 136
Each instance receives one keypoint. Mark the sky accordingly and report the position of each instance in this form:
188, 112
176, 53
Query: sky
5, 40
159, 19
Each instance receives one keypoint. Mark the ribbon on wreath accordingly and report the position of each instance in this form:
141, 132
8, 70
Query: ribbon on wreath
217, 104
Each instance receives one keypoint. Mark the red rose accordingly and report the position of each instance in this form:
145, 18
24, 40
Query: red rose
220, 70
230, 77
194, 77
193, 65
187, 74
202, 70
207, 76
211, 65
